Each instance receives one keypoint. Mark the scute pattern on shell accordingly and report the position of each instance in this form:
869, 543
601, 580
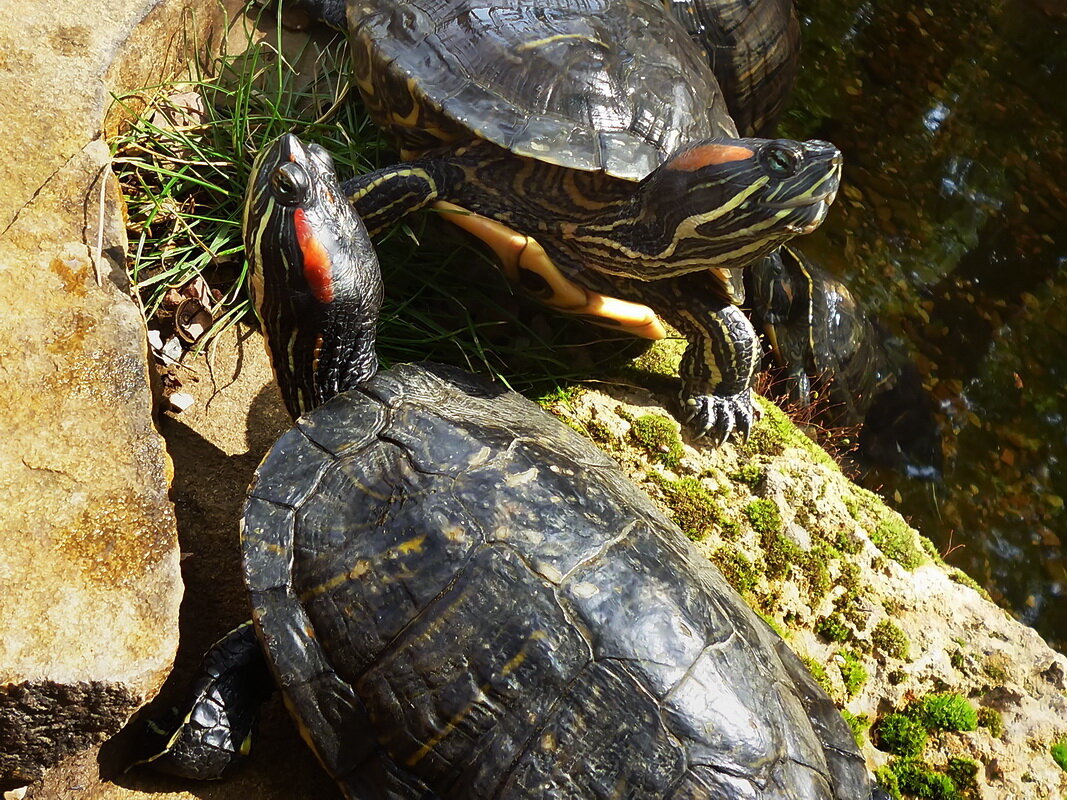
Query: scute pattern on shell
580, 84
460, 595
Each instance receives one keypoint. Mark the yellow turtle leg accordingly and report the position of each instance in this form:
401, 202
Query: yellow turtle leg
517, 252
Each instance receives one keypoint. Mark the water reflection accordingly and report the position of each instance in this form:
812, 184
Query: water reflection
951, 227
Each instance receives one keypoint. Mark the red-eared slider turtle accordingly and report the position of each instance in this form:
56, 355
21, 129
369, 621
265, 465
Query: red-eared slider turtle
588, 144
458, 596
837, 360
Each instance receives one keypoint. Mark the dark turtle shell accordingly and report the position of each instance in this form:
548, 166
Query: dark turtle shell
461, 597
613, 85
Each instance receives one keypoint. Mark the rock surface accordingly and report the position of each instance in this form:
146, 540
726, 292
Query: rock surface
874, 610
957, 641
89, 580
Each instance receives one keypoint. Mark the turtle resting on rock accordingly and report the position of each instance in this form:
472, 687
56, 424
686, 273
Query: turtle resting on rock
460, 597
589, 145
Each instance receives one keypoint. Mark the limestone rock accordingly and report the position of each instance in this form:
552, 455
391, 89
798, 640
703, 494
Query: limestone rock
89, 577
874, 610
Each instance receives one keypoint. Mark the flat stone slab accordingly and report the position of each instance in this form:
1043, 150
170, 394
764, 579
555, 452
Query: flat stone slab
89, 563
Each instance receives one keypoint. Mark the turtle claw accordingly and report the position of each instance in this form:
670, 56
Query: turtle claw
718, 417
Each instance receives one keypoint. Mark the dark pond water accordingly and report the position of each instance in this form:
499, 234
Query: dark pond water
952, 229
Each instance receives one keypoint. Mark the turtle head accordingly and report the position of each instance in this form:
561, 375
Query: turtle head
727, 202
314, 277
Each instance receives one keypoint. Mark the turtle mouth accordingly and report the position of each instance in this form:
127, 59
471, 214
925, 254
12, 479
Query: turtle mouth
826, 197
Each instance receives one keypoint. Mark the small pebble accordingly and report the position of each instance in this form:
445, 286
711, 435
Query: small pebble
179, 401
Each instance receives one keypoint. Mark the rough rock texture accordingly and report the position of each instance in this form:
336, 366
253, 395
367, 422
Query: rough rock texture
216, 445
836, 571
89, 582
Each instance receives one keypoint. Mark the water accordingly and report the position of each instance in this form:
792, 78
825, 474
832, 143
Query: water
951, 227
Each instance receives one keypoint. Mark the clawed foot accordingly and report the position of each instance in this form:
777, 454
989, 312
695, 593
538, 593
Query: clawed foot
717, 417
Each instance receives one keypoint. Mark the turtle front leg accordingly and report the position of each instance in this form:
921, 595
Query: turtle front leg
717, 369
212, 732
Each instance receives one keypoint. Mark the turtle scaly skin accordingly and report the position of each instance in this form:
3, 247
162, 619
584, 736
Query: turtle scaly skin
458, 596
591, 141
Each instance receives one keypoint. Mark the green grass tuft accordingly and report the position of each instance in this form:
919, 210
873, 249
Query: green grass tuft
183, 177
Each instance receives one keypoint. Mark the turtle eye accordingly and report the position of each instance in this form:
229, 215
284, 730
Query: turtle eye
779, 160
290, 183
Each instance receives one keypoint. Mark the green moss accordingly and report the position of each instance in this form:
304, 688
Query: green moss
962, 578
900, 735
848, 576
780, 553
749, 474
931, 550
995, 671
991, 720
662, 357
958, 660
917, 778
736, 567
730, 529
897, 677
887, 779
894, 538
853, 672
764, 516
818, 672
659, 436
774, 432
852, 505
847, 542
565, 395
944, 712
600, 432
964, 773
691, 505
889, 639
849, 607
858, 724
815, 565
832, 628
1059, 754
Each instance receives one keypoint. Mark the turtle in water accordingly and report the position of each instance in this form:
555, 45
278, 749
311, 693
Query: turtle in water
835, 359
459, 596
589, 145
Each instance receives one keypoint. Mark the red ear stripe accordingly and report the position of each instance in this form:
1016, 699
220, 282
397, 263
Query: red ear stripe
707, 155
317, 266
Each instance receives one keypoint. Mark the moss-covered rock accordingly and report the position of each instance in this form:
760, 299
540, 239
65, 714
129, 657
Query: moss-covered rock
888, 639
659, 436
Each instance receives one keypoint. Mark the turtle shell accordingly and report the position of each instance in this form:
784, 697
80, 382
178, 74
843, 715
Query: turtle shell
461, 597
612, 85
